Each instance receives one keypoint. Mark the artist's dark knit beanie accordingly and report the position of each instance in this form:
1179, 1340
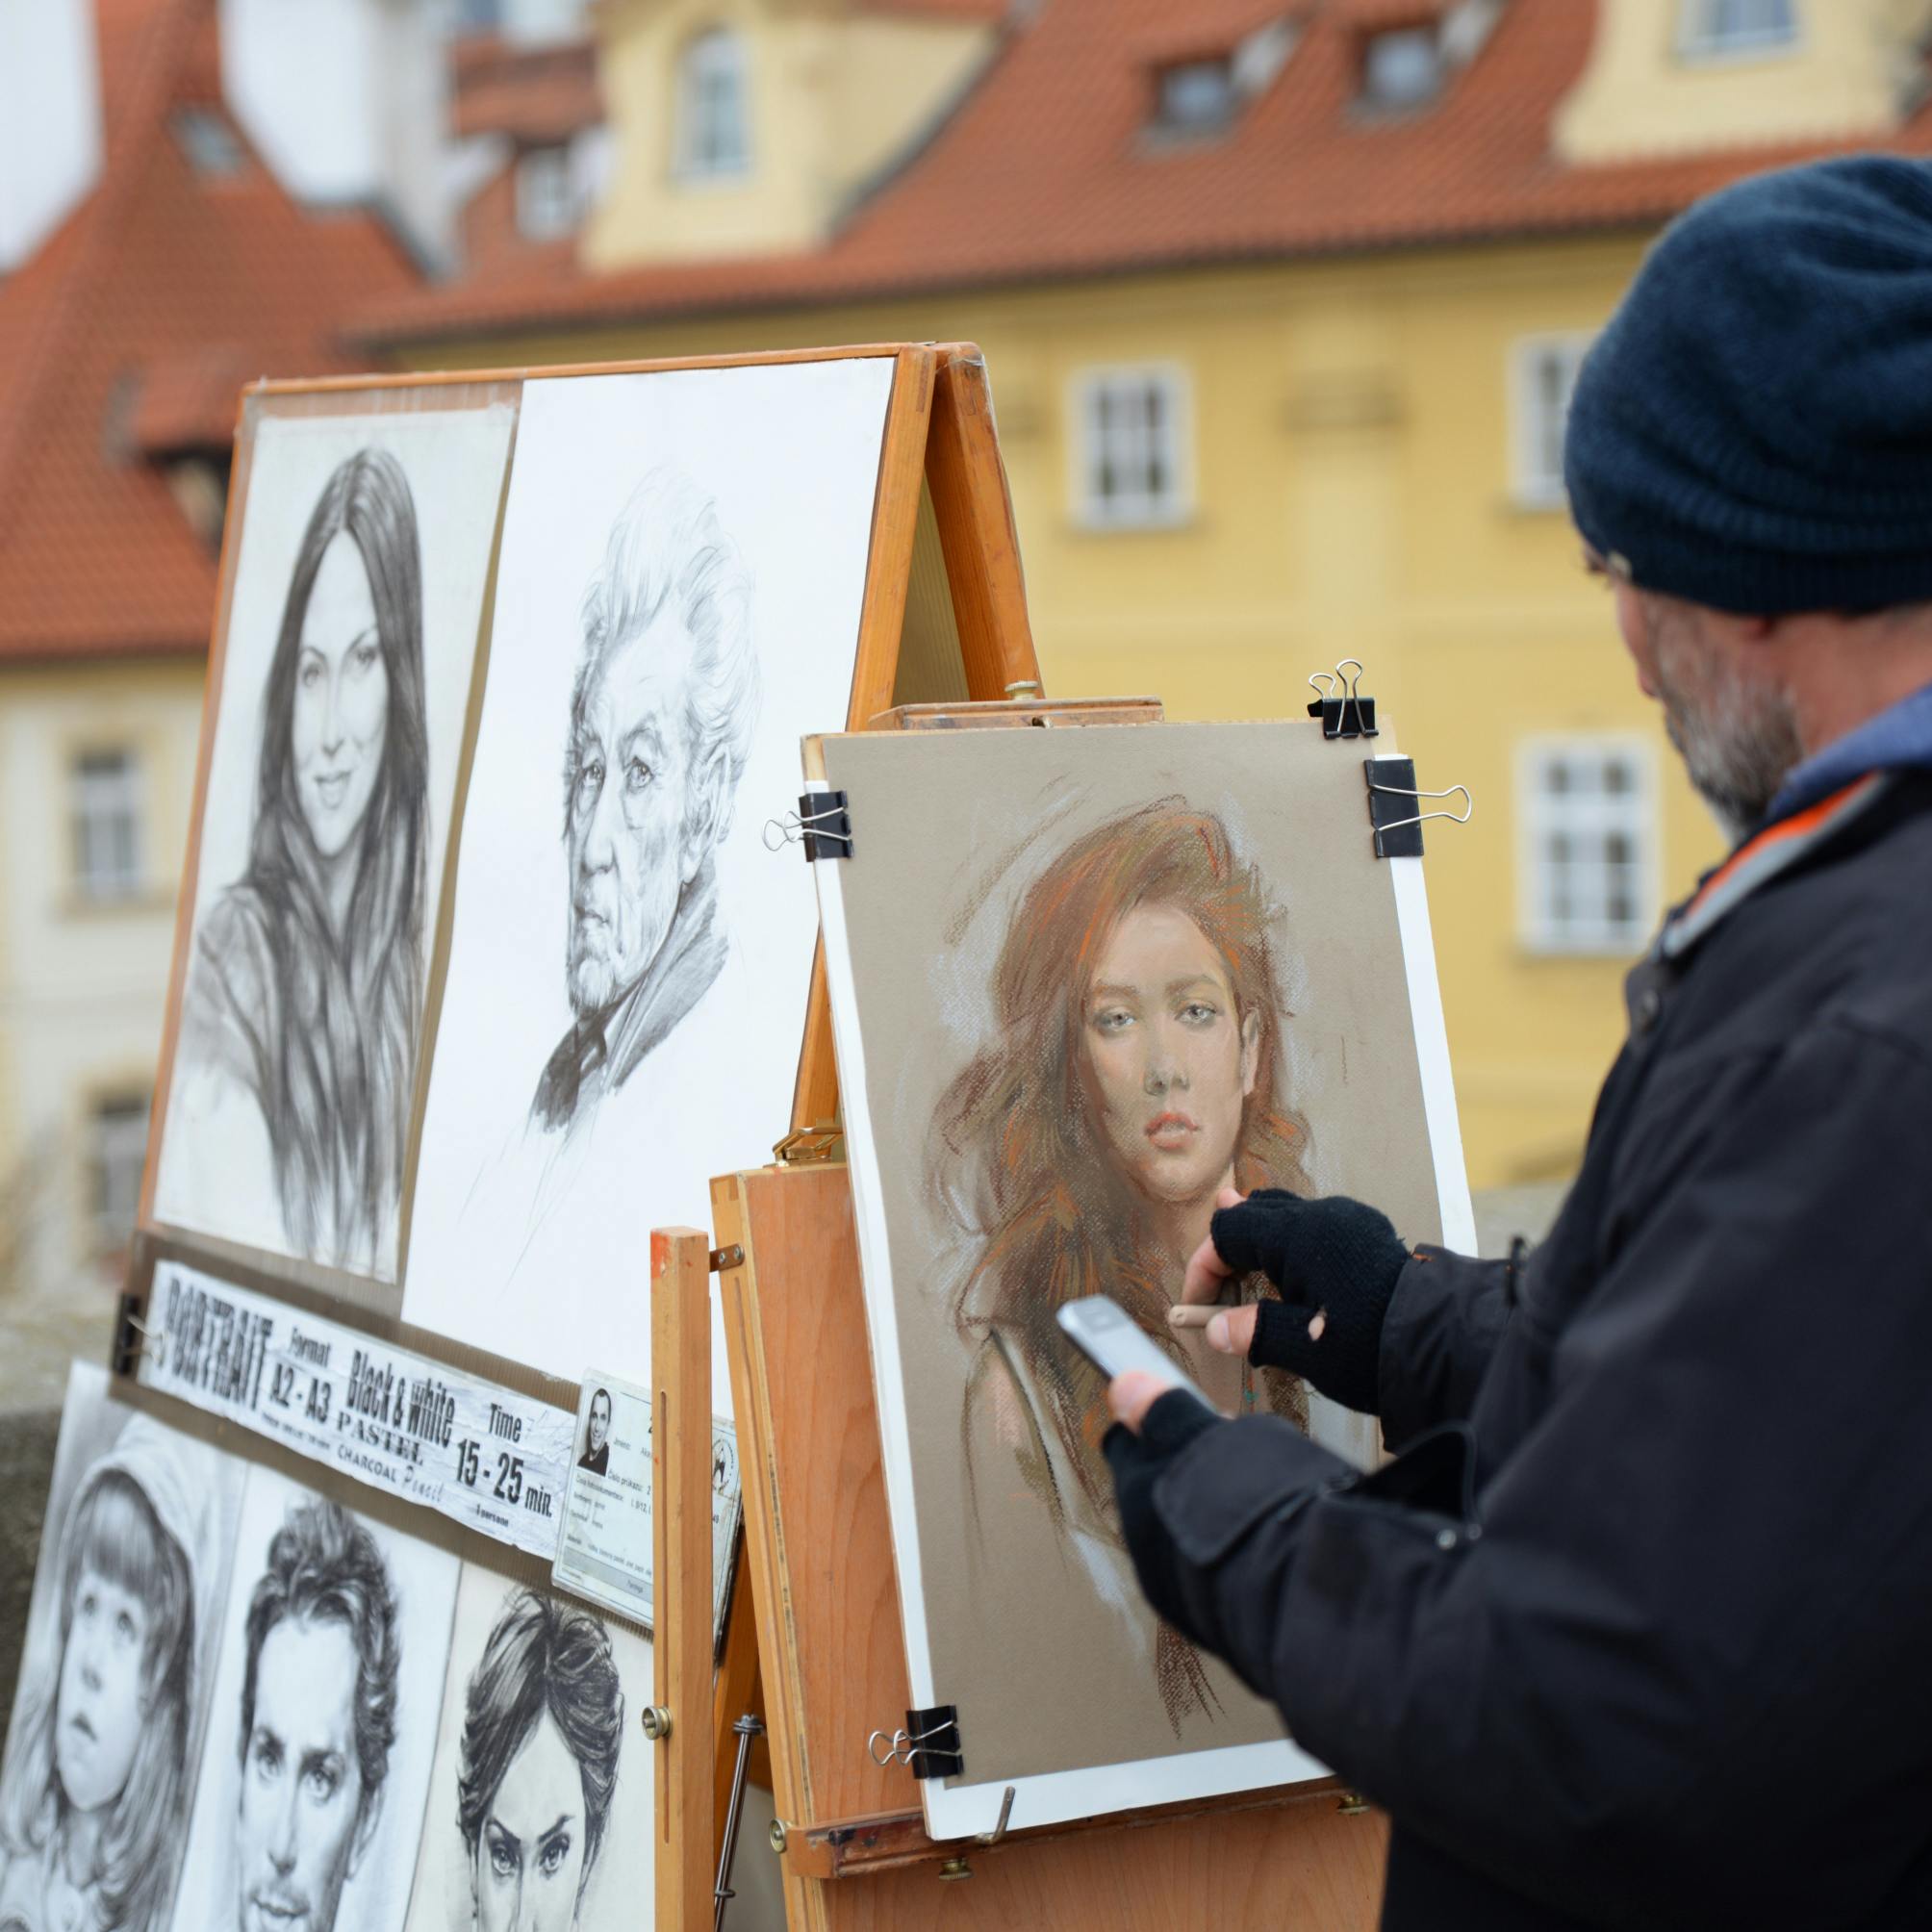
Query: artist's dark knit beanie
1753, 431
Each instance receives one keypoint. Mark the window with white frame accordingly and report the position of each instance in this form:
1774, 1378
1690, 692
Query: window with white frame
712, 119
1736, 26
117, 1131
1546, 370
1130, 437
547, 200
1589, 845
106, 792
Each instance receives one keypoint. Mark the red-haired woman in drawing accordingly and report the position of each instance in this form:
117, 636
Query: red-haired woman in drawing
1135, 1073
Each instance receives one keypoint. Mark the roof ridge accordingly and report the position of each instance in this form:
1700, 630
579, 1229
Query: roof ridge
161, 62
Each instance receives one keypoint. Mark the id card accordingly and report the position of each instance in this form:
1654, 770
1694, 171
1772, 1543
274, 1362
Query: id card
604, 1551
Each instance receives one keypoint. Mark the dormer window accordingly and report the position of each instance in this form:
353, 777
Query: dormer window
209, 142
1199, 90
714, 134
1196, 96
1401, 69
1736, 26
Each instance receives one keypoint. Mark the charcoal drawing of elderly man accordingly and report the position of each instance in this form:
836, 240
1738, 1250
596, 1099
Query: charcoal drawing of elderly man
661, 718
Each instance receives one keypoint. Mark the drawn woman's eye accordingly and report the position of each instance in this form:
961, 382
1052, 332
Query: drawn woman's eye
323, 1780
554, 1855
310, 673
637, 776
1199, 1012
88, 1605
590, 777
364, 655
124, 1627
266, 1757
1112, 1020
502, 1858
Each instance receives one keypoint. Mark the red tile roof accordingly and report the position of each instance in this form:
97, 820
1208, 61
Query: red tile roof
534, 95
161, 289
1045, 172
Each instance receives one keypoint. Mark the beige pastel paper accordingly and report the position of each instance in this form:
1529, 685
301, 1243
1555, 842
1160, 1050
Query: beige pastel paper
1017, 1637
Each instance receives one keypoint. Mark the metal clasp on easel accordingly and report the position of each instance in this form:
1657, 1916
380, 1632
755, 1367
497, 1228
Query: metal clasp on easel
1379, 774
902, 1745
821, 824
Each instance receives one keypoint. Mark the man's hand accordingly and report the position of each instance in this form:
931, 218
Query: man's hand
1232, 1329
1335, 1262
1129, 1396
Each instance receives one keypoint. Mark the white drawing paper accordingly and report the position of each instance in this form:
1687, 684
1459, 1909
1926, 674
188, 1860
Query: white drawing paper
322, 1723
540, 1804
677, 603
365, 551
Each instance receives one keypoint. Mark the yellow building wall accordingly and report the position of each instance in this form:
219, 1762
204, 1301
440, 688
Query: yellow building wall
1852, 67
832, 99
1352, 498
82, 986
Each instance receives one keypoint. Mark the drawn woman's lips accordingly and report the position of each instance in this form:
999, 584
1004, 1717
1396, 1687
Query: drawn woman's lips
79, 1722
332, 786
1170, 1130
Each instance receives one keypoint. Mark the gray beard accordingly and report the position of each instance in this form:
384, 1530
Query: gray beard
1739, 742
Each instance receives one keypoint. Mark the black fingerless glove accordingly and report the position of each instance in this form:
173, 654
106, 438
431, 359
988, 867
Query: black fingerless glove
1336, 1256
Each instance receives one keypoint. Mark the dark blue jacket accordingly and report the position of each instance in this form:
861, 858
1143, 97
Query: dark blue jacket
1637, 1631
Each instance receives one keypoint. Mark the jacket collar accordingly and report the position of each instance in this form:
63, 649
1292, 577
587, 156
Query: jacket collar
1898, 739
1817, 800
1775, 848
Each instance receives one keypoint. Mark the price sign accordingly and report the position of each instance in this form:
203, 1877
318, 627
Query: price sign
482, 1454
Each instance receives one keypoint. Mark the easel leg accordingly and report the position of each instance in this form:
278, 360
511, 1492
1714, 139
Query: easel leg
682, 1650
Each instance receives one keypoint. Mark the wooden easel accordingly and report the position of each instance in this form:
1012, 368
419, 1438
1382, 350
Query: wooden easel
816, 1617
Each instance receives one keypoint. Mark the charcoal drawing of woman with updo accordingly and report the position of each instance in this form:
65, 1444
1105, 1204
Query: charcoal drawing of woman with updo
1135, 1072
304, 1000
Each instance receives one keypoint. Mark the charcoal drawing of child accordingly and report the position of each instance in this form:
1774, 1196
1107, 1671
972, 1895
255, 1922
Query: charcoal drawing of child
93, 1810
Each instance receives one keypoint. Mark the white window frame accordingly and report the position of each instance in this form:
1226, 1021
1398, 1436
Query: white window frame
722, 48
116, 1161
1141, 509
99, 802
1533, 484
1538, 926
549, 196
1698, 37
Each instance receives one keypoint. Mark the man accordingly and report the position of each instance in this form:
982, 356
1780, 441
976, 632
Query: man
317, 1720
1633, 1631
661, 718
596, 1435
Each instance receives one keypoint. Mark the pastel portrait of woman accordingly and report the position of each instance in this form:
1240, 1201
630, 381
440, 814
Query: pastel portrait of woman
1136, 1070
303, 1007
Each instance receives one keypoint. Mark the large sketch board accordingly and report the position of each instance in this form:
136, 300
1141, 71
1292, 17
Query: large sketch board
1017, 1605
481, 967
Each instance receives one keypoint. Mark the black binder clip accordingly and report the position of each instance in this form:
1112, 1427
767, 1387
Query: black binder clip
929, 1744
1344, 712
132, 1336
821, 824
1393, 806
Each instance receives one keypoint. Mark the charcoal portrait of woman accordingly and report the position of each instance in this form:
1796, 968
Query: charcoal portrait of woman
1135, 1071
303, 1009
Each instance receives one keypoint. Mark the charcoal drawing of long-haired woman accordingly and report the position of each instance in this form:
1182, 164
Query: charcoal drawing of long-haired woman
1136, 1070
306, 988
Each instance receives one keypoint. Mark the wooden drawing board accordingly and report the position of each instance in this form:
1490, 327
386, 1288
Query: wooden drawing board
817, 1568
